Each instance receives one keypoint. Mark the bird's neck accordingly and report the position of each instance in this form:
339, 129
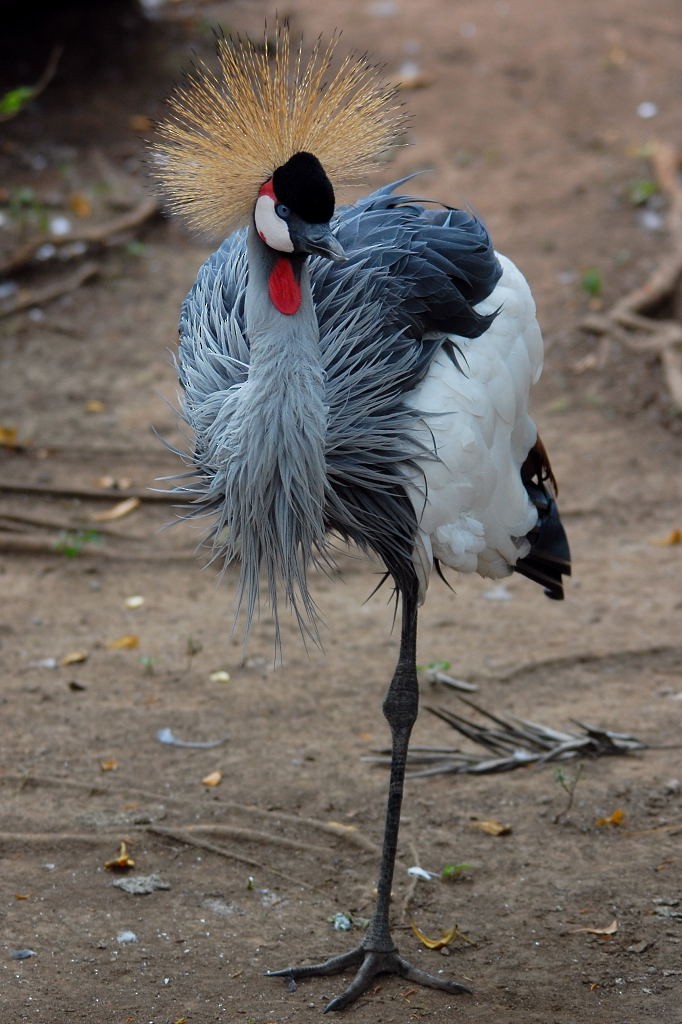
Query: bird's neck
277, 476
280, 317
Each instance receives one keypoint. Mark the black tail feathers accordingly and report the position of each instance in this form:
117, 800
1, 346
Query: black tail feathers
549, 559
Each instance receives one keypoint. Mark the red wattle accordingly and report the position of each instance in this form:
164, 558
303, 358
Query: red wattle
284, 289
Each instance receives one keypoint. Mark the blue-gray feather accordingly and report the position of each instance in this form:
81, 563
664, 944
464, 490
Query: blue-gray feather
412, 277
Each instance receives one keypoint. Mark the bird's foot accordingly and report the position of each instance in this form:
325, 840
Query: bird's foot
370, 963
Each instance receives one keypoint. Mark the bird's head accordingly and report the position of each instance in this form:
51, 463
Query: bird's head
294, 208
244, 135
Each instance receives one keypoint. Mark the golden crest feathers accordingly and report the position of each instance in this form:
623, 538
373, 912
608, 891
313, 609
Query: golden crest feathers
228, 131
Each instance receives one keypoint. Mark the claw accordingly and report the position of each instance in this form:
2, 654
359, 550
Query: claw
335, 965
371, 964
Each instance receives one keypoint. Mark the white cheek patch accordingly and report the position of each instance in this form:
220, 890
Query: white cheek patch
271, 228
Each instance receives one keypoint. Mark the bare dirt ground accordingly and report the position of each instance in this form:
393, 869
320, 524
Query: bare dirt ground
532, 114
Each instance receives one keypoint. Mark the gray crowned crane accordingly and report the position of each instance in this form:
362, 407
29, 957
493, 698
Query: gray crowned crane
361, 372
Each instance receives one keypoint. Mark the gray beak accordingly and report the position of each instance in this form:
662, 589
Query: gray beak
316, 239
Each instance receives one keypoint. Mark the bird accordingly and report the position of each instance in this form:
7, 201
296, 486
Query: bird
357, 373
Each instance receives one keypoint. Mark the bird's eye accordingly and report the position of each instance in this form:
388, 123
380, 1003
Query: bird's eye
282, 211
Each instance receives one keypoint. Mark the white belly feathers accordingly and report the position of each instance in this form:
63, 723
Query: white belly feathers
472, 508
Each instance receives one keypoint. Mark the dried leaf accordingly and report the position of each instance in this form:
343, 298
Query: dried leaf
212, 779
94, 405
121, 509
616, 818
411, 76
610, 929
139, 123
113, 483
80, 205
220, 676
74, 658
407, 993
674, 537
124, 643
492, 827
122, 862
110, 765
616, 57
444, 940
9, 437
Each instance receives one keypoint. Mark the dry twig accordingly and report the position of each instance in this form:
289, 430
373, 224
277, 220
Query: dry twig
27, 297
103, 233
20, 523
250, 835
49, 491
40, 544
631, 321
11, 839
513, 742
183, 836
340, 831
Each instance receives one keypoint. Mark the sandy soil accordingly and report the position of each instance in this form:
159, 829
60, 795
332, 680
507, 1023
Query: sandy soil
528, 112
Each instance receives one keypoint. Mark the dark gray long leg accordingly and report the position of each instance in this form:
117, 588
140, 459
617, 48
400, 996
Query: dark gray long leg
400, 708
377, 954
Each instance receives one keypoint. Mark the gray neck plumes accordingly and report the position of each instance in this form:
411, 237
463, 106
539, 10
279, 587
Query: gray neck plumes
276, 477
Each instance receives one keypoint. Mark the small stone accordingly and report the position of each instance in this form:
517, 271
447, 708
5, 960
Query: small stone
647, 110
140, 885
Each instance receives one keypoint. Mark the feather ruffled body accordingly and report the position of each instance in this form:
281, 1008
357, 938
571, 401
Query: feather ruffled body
427, 362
